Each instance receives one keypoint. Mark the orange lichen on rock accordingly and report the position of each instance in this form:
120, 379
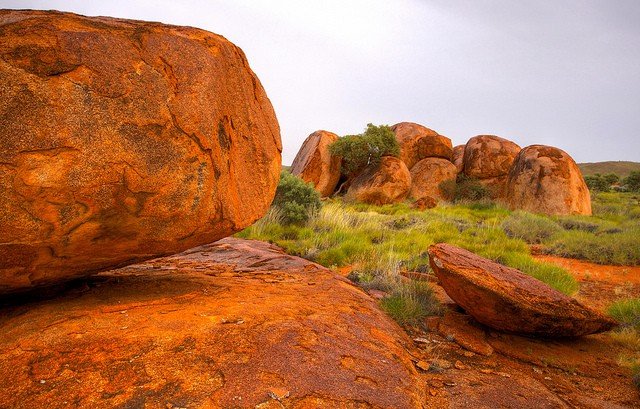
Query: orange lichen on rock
509, 300
124, 140
237, 323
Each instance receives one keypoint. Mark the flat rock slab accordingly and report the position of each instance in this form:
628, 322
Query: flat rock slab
236, 323
508, 300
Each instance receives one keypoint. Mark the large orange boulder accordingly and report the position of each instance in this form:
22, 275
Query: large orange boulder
233, 324
429, 176
508, 300
386, 182
458, 157
547, 180
314, 163
124, 140
418, 142
488, 158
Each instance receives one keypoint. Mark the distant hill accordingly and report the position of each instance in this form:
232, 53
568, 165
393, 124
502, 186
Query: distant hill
620, 168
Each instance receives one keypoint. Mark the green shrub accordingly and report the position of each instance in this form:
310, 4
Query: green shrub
597, 183
296, 200
632, 182
358, 151
533, 229
627, 312
470, 189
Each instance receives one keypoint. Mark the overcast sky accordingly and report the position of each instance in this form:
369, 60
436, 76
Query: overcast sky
558, 72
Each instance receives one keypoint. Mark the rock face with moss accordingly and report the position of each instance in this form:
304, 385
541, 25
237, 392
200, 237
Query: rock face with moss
314, 163
544, 179
418, 142
124, 140
488, 158
386, 182
508, 300
429, 176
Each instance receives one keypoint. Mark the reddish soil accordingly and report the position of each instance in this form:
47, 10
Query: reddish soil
600, 285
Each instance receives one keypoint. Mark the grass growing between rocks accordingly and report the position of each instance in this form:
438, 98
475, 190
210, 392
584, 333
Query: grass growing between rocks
627, 312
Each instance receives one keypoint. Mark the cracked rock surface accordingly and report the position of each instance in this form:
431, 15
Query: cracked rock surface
236, 323
123, 140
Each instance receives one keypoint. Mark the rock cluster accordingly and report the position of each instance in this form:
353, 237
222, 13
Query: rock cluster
124, 140
538, 179
509, 300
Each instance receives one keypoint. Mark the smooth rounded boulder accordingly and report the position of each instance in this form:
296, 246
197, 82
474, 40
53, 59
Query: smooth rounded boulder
418, 142
508, 300
429, 176
314, 163
386, 182
122, 141
458, 157
488, 158
544, 179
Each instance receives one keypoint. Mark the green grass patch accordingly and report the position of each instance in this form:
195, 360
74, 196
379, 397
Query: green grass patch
410, 303
627, 312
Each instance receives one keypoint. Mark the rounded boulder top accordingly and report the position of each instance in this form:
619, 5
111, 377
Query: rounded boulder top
124, 140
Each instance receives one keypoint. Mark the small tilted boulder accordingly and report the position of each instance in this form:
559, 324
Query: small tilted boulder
122, 141
429, 176
508, 300
458, 157
544, 179
386, 182
314, 163
488, 158
418, 142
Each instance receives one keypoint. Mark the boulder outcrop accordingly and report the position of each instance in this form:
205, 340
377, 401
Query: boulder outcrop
488, 158
458, 157
544, 179
237, 323
124, 140
427, 177
314, 163
386, 182
508, 300
418, 142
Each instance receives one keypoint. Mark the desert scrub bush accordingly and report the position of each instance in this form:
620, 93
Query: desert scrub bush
411, 302
626, 312
532, 228
295, 199
469, 189
358, 151
632, 182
